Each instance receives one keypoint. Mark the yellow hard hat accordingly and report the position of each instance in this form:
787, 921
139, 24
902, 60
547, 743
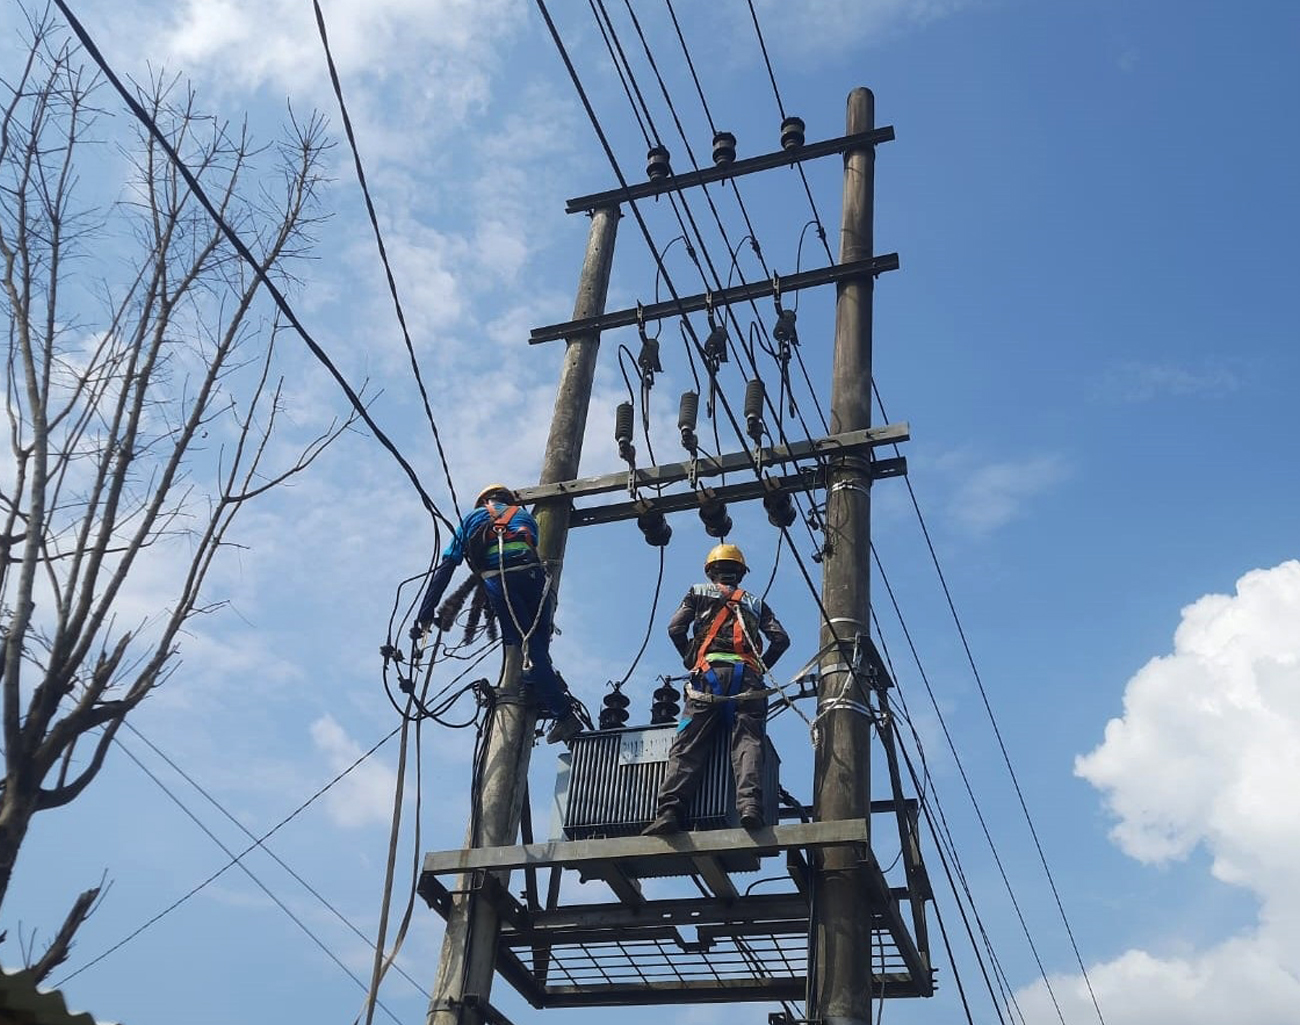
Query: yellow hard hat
492, 489
725, 553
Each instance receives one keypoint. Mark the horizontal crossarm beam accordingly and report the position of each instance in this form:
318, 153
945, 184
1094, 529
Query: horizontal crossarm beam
736, 169
723, 297
713, 466
805, 480
590, 853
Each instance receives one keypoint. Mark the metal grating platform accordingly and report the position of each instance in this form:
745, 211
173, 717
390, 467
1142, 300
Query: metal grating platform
722, 945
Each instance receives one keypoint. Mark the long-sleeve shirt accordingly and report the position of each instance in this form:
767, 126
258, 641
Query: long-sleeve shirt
700, 608
473, 540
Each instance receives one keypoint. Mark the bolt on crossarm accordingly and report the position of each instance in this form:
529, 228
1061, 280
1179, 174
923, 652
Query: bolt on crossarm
469, 948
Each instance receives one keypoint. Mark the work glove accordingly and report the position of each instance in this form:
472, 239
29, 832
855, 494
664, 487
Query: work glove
417, 631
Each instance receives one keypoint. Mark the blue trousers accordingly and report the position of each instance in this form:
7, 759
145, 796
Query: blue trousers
517, 596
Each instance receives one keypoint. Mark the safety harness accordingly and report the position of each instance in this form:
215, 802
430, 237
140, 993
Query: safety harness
510, 541
740, 643
725, 687
507, 540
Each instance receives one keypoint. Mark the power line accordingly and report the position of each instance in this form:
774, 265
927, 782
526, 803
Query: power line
246, 254
970, 792
688, 328
645, 230
383, 251
803, 175
248, 872
988, 708
258, 843
617, 54
234, 860
928, 793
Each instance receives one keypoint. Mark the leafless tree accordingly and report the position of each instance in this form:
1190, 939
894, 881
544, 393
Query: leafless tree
141, 403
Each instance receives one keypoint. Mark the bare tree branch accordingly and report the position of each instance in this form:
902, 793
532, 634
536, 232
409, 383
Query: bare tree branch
141, 408
57, 952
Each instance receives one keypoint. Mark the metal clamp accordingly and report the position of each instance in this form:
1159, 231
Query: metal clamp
851, 485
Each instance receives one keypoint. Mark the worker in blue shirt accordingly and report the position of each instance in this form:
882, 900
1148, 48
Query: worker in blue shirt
498, 539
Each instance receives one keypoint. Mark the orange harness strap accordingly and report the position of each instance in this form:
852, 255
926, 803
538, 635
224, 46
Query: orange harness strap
501, 521
739, 643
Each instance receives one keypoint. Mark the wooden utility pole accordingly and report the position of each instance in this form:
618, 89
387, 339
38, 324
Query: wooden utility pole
840, 984
465, 972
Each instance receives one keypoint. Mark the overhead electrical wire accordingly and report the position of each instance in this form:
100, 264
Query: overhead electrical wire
803, 175
207, 795
251, 875
774, 408
997, 732
246, 254
970, 791
234, 860
383, 250
654, 251
934, 557
654, 607
946, 847
619, 57
827, 622
717, 278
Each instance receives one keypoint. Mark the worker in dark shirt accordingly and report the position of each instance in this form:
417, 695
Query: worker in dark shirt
726, 627
498, 538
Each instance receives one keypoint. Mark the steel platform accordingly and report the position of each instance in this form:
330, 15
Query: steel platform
726, 944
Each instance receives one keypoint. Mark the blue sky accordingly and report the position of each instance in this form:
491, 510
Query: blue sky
1092, 335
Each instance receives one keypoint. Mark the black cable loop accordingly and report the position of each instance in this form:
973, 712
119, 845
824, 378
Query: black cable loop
689, 252
654, 608
798, 253
735, 256
383, 253
246, 254
623, 350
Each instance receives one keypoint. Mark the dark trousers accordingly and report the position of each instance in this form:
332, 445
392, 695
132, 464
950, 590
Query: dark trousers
691, 746
522, 596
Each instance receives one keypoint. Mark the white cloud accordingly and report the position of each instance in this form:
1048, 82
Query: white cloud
365, 795
1241, 980
440, 52
1133, 381
996, 493
843, 23
1206, 755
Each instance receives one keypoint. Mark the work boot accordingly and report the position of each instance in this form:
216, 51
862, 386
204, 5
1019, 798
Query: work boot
564, 729
751, 817
667, 823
